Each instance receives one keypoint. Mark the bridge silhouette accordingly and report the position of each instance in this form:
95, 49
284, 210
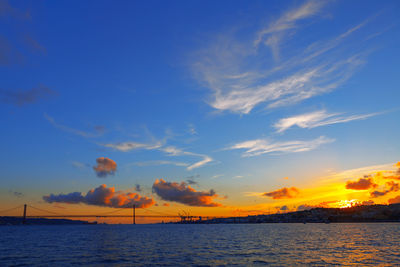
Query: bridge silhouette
50, 214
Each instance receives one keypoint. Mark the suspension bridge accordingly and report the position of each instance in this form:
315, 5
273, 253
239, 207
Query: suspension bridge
111, 214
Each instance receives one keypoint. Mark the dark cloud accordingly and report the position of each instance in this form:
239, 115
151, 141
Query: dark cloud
102, 196
16, 194
324, 204
377, 193
183, 193
20, 98
138, 188
306, 207
191, 182
99, 129
394, 200
191, 179
283, 193
361, 184
391, 187
284, 208
368, 203
105, 166
71, 198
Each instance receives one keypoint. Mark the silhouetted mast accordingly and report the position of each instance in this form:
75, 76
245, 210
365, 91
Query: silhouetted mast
24, 218
134, 214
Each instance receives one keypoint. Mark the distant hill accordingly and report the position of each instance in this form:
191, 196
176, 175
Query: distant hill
370, 213
8, 220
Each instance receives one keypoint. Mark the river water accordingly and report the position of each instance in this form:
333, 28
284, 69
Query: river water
355, 244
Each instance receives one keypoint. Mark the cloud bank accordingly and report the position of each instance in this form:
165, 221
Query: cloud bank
184, 194
104, 197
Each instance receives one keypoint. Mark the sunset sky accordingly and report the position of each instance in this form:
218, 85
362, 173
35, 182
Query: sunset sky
214, 108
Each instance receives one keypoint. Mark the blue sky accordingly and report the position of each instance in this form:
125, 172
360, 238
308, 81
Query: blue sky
235, 95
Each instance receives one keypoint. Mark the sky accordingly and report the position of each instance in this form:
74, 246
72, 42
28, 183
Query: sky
211, 108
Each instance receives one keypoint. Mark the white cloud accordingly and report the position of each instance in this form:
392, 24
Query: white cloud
241, 75
169, 150
160, 162
173, 151
262, 146
192, 129
206, 159
272, 35
70, 130
289, 90
253, 194
79, 165
317, 119
128, 146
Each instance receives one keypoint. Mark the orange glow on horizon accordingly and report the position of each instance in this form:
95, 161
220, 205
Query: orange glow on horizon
346, 203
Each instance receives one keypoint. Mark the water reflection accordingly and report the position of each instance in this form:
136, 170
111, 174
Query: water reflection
252, 244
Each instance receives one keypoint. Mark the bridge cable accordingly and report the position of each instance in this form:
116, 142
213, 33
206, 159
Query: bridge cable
44, 210
114, 211
20, 206
159, 212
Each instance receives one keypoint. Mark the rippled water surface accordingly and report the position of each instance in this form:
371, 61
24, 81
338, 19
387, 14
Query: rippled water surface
173, 245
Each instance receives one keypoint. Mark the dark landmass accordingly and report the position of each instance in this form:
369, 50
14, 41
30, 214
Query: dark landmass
370, 213
8, 220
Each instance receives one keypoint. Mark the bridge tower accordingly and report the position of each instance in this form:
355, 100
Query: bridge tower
24, 217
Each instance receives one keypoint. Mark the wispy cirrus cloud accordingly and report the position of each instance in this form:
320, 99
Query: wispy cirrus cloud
317, 119
168, 150
173, 151
241, 75
160, 162
206, 159
98, 130
273, 35
263, 146
128, 146
80, 165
